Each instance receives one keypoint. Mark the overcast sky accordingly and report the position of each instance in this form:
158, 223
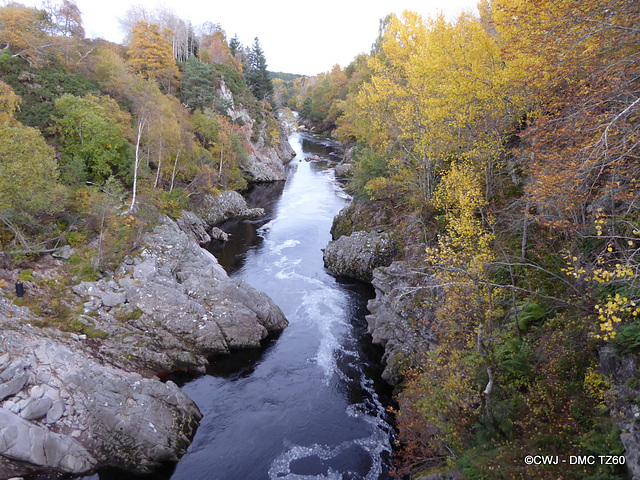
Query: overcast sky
302, 36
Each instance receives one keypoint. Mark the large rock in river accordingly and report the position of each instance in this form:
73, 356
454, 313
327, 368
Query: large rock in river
357, 255
62, 411
173, 305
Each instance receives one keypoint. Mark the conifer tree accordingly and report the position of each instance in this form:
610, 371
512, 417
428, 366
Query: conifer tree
256, 74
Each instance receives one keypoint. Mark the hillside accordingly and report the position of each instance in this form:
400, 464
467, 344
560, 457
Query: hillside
500, 153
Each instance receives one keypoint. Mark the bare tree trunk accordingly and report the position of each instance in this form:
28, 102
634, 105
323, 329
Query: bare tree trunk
525, 227
155, 184
141, 123
220, 169
175, 166
487, 394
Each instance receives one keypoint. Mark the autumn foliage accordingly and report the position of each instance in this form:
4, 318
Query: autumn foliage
509, 141
122, 123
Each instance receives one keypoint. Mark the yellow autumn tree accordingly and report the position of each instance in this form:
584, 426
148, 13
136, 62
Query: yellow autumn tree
215, 49
9, 103
22, 32
151, 54
438, 92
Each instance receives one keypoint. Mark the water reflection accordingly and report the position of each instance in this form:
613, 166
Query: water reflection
232, 254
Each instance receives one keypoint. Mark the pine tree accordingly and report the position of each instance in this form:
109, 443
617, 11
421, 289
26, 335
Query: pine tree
235, 46
256, 74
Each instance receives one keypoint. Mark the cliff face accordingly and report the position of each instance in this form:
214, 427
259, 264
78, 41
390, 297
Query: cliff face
178, 305
269, 151
622, 369
400, 314
404, 298
359, 254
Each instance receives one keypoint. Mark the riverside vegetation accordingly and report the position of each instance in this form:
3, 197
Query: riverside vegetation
115, 163
498, 153
500, 150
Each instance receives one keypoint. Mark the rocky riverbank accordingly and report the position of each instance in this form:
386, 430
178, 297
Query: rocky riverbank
404, 297
63, 410
74, 401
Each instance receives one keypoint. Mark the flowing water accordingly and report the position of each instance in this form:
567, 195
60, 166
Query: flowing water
310, 404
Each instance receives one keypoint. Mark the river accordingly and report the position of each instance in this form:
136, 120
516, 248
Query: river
310, 404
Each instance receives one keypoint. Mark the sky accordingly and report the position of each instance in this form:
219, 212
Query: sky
303, 36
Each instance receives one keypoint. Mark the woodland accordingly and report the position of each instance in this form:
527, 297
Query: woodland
88, 125
501, 147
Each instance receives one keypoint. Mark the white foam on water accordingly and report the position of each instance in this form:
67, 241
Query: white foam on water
277, 249
370, 410
280, 468
322, 306
284, 275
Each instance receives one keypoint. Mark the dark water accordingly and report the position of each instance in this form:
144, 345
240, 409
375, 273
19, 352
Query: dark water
310, 404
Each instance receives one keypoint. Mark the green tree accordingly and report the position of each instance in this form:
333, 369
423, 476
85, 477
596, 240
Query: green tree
197, 84
256, 74
235, 46
28, 175
93, 143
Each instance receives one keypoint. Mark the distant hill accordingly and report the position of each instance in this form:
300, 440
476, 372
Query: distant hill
285, 76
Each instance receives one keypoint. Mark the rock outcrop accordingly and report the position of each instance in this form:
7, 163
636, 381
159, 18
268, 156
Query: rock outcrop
210, 211
357, 255
267, 157
62, 411
360, 217
267, 160
214, 210
70, 403
173, 306
622, 369
400, 314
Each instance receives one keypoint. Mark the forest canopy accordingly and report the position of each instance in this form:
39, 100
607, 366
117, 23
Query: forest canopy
503, 147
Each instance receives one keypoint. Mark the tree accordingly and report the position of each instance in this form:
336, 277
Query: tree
151, 54
22, 30
225, 145
438, 92
235, 47
93, 143
198, 90
214, 49
255, 72
28, 174
9, 103
64, 19
580, 63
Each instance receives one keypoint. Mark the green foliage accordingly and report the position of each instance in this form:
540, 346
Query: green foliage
93, 332
28, 174
206, 127
128, 314
39, 88
92, 141
627, 339
171, 203
256, 74
285, 76
75, 239
25, 276
531, 313
197, 86
516, 362
82, 266
232, 79
370, 165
